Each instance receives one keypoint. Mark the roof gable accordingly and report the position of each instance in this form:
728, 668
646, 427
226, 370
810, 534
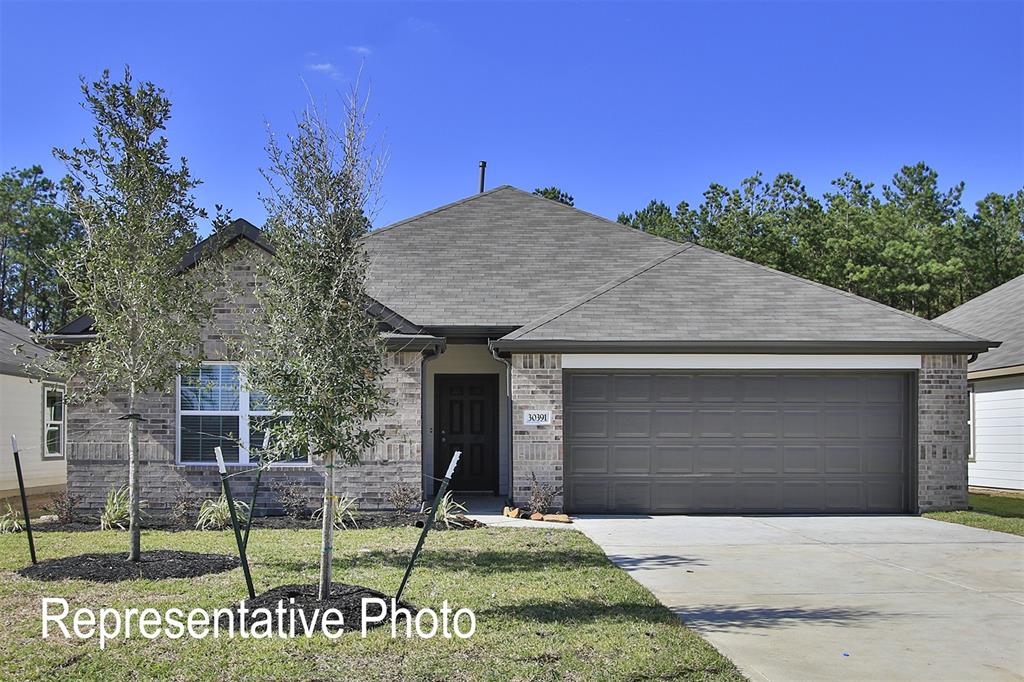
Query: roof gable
997, 314
14, 335
499, 258
698, 297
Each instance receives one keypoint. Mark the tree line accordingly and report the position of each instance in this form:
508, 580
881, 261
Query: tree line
33, 227
912, 246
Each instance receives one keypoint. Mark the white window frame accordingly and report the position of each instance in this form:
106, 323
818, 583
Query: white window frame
47, 422
243, 413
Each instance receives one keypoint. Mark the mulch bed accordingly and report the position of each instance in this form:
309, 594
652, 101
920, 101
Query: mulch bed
348, 599
115, 567
363, 520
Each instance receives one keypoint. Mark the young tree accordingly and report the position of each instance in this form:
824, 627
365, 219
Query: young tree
313, 348
138, 217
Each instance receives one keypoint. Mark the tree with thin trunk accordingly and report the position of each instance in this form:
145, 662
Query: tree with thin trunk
138, 219
311, 345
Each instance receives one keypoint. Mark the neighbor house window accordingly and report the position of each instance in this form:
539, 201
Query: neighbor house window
216, 409
54, 425
971, 425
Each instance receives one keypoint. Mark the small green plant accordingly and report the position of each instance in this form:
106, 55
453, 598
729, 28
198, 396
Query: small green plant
62, 505
449, 512
346, 511
216, 514
9, 521
116, 510
403, 498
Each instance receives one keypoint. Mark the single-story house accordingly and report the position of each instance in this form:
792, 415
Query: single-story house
31, 408
633, 373
996, 385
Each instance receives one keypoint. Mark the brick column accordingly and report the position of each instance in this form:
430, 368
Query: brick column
537, 450
942, 433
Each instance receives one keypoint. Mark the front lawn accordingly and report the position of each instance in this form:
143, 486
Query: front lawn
549, 606
1003, 512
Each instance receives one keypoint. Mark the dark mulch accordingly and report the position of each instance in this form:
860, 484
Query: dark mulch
348, 599
112, 568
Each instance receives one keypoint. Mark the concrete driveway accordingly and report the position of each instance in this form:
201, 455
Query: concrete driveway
816, 598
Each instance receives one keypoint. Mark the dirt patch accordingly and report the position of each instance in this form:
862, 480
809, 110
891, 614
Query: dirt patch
111, 568
302, 599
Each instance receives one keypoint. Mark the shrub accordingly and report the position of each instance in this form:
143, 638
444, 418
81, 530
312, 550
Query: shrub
216, 514
63, 505
186, 504
448, 512
346, 511
116, 510
292, 496
542, 496
404, 498
9, 521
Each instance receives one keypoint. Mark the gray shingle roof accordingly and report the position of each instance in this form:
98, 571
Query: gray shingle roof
13, 334
998, 315
500, 258
699, 297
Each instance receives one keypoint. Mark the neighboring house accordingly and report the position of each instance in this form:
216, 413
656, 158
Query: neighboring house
636, 373
996, 383
33, 410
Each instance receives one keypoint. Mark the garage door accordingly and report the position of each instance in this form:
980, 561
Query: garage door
789, 442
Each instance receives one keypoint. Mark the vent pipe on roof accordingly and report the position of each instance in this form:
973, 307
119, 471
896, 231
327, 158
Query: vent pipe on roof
483, 171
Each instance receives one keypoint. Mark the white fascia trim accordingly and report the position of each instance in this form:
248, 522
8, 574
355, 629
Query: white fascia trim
736, 361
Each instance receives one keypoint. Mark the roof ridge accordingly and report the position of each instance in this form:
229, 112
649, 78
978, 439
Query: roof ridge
445, 207
848, 294
614, 223
594, 293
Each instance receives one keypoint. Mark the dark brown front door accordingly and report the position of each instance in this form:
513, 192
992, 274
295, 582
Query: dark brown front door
466, 419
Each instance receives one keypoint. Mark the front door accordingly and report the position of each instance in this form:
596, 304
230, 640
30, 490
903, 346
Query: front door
466, 419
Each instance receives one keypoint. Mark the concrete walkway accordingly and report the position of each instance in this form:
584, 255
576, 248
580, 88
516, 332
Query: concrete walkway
825, 598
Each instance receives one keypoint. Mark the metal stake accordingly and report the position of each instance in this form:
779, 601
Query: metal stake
24, 499
255, 489
428, 523
234, 520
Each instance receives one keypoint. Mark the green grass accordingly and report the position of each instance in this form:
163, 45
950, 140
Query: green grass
549, 606
1003, 512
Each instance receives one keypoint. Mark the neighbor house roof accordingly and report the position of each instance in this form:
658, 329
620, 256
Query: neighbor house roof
997, 314
499, 259
698, 299
17, 348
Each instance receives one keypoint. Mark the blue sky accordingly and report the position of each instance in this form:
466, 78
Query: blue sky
616, 103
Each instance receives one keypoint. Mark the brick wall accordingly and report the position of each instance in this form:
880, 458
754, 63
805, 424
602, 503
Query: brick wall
97, 456
942, 433
536, 385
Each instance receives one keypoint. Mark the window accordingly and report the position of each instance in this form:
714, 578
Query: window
54, 424
215, 409
971, 425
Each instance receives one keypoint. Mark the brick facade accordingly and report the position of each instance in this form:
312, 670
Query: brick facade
97, 455
536, 450
942, 433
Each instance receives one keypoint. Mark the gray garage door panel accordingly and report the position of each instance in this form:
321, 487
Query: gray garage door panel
675, 442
